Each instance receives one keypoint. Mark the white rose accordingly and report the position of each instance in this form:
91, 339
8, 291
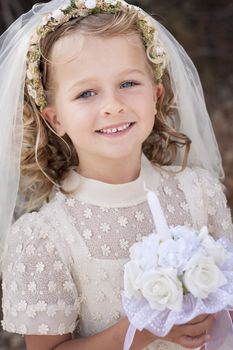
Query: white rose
176, 252
172, 254
145, 252
132, 276
202, 276
190, 236
213, 248
90, 4
162, 289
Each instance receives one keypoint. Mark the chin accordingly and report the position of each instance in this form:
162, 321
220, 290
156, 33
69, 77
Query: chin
122, 154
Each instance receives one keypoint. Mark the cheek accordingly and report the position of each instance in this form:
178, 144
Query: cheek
146, 106
149, 112
76, 120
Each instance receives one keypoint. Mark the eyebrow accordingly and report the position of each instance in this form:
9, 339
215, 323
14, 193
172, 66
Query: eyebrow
83, 81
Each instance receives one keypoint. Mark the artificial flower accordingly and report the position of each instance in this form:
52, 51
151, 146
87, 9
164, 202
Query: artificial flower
58, 15
162, 289
203, 276
90, 4
213, 248
132, 276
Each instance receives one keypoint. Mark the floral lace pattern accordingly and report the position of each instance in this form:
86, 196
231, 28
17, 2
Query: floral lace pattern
64, 264
109, 232
37, 284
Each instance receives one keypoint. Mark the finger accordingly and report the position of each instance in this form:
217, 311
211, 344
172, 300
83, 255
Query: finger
198, 329
198, 319
194, 342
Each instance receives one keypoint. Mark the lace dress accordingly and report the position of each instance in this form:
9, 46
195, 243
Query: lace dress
63, 265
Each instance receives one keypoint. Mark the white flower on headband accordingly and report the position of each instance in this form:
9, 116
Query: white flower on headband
34, 38
45, 20
160, 51
111, 2
29, 75
90, 4
32, 92
58, 14
31, 70
158, 55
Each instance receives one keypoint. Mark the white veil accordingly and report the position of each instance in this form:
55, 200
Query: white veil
14, 45
194, 119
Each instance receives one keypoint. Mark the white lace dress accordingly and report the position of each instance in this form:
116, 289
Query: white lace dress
63, 266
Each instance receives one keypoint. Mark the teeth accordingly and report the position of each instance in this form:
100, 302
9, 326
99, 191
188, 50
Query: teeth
114, 130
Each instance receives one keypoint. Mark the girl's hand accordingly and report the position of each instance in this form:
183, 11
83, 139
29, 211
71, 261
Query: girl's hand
193, 334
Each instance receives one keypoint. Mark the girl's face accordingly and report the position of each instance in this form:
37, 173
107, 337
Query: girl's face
105, 99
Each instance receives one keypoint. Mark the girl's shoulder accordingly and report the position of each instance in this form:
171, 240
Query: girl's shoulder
205, 195
39, 220
195, 176
196, 183
34, 229
43, 213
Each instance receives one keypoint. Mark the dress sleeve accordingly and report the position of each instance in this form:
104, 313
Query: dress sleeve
219, 215
39, 294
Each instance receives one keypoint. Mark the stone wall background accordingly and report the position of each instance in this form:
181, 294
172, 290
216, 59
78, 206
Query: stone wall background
205, 30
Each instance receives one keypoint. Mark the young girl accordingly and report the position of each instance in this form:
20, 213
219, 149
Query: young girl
97, 101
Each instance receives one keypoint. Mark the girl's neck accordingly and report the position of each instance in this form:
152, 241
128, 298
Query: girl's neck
112, 171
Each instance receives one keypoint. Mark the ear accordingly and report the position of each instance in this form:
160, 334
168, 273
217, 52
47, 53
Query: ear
158, 92
49, 114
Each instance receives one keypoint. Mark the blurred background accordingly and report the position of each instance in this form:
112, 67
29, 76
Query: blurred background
205, 30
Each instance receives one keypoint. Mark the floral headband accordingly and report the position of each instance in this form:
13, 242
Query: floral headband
84, 8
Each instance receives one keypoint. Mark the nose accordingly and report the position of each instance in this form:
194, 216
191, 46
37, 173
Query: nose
112, 106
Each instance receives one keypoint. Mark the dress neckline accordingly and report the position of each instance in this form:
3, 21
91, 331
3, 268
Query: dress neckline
114, 195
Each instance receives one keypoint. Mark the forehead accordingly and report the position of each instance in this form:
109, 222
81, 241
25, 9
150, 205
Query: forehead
87, 55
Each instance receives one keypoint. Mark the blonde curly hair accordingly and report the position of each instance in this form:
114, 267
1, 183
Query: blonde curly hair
47, 158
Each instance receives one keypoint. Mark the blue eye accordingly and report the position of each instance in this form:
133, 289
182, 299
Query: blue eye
128, 84
86, 94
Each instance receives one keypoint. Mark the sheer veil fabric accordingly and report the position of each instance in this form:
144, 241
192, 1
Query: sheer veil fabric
193, 118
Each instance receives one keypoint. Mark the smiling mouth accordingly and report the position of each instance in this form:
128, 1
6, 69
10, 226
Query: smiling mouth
119, 129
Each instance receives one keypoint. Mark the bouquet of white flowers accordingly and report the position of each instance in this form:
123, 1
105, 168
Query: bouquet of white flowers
175, 275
